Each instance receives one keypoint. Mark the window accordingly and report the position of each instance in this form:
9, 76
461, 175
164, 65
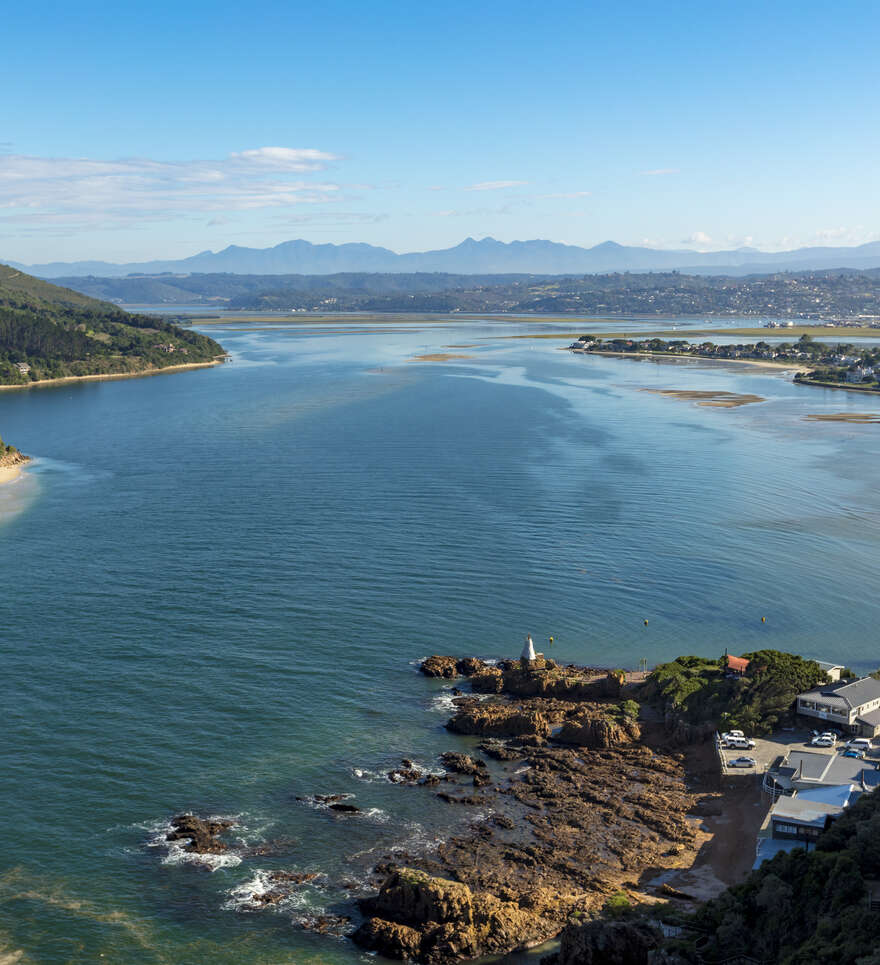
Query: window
781, 828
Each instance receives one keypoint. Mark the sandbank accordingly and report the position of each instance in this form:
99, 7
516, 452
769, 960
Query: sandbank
721, 400
862, 417
438, 357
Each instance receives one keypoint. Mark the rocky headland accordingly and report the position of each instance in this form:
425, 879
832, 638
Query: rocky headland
583, 800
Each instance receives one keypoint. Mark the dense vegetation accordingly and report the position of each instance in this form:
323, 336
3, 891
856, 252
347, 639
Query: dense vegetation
803, 908
47, 332
808, 295
698, 690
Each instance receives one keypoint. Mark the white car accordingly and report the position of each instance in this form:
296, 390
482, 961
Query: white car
732, 733
822, 742
740, 743
743, 762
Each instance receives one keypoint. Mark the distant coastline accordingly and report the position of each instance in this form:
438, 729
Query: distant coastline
153, 370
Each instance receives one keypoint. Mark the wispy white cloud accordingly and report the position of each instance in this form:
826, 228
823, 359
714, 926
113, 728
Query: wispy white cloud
89, 191
568, 195
494, 185
699, 238
659, 172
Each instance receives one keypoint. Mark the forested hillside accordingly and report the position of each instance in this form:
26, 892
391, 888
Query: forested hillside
47, 332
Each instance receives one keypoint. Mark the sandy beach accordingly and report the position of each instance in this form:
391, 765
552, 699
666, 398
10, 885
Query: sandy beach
116, 375
9, 474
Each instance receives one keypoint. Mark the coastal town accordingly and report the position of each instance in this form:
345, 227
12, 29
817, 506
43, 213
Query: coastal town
818, 362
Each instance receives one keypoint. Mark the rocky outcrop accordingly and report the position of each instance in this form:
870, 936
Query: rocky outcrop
10, 456
486, 719
439, 666
462, 764
202, 833
606, 943
603, 731
436, 920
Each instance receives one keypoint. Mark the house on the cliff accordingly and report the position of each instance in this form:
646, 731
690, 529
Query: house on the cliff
736, 666
854, 706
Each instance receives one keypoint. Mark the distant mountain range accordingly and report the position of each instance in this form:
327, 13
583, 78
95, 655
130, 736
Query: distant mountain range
475, 257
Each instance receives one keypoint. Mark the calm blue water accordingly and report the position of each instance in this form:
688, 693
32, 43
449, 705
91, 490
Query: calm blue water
216, 584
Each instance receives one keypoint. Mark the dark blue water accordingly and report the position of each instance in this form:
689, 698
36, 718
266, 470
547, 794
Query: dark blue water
215, 585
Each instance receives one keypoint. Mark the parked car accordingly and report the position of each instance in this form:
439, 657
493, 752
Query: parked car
742, 762
854, 752
860, 742
740, 743
822, 742
727, 735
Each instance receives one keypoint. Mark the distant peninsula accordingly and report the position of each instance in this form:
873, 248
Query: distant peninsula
49, 333
844, 365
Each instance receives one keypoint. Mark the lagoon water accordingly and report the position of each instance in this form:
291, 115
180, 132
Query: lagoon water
216, 585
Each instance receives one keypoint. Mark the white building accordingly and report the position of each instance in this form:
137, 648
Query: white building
854, 707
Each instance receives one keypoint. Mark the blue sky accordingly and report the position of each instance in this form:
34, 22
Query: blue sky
167, 128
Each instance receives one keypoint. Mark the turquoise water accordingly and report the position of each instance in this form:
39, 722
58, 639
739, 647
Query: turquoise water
216, 585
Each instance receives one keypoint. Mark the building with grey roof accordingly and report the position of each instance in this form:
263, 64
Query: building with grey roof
804, 770
852, 706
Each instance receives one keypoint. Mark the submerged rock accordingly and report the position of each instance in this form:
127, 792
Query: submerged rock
202, 834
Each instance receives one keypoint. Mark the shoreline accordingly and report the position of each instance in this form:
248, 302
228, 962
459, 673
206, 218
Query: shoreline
847, 387
761, 363
104, 377
9, 474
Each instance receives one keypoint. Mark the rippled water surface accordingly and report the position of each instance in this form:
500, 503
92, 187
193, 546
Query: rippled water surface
216, 585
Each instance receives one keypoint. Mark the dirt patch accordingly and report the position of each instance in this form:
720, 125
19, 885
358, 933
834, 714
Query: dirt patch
720, 400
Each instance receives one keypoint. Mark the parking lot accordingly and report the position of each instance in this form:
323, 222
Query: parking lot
768, 749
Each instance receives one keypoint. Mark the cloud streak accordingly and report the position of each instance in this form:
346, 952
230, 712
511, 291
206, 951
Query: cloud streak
494, 185
69, 191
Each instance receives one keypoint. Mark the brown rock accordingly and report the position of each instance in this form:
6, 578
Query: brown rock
202, 834
592, 731
498, 720
439, 921
462, 764
470, 666
607, 943
438, 666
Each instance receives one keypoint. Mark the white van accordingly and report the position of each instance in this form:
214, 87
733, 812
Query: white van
862, 743
740, 743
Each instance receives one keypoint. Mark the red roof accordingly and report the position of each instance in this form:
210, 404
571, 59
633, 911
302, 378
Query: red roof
740, 664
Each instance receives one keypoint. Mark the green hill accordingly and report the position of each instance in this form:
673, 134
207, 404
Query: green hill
47, 332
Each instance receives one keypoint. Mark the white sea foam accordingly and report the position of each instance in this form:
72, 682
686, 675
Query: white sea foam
371, 776
444, 703
365, 774
377, 814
